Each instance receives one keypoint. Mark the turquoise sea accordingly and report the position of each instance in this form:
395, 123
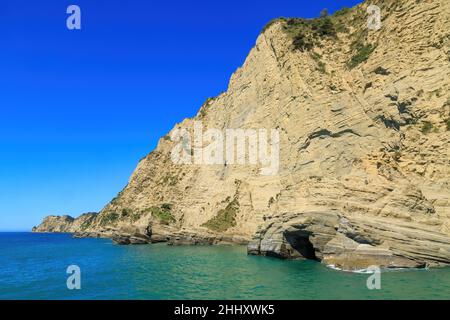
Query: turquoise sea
33, 266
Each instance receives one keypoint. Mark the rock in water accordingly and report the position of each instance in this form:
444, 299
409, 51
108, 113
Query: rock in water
363, 120
351, 242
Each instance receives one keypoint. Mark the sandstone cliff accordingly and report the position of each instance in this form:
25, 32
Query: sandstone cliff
65, 224
364, 175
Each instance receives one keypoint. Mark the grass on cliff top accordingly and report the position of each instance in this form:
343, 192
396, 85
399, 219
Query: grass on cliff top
225, 218
307, 33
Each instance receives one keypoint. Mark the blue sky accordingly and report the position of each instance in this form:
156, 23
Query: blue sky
80, 108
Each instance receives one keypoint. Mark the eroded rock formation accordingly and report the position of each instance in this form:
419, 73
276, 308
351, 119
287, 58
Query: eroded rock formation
364, 120
351, 241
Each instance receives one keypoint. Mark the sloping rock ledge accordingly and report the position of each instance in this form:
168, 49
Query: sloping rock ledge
159, 234
351, 242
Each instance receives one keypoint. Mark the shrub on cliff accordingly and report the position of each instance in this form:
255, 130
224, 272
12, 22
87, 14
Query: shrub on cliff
163, 213
362, 54
426, 127
307, 33
109, 218
225, 219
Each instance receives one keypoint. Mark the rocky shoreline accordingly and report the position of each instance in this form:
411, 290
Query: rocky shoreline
340, 242
168, 235
182, 238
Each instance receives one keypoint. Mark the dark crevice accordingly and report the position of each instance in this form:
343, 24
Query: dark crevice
300, 246
389, 123
327, 133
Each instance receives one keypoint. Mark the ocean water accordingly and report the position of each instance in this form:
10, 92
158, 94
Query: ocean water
33, 266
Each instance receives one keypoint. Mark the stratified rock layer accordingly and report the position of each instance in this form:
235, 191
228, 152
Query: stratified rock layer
364, 150
351, 242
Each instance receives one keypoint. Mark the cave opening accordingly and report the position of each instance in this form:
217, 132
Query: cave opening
301, 246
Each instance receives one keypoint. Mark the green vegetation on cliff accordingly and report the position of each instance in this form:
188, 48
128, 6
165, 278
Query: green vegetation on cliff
426, 127
225, 218
363, 52
162, 213
109, 218
307, 33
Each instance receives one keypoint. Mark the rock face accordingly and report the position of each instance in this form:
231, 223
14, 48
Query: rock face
352, 241
65, 224
364, 175
60, 224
